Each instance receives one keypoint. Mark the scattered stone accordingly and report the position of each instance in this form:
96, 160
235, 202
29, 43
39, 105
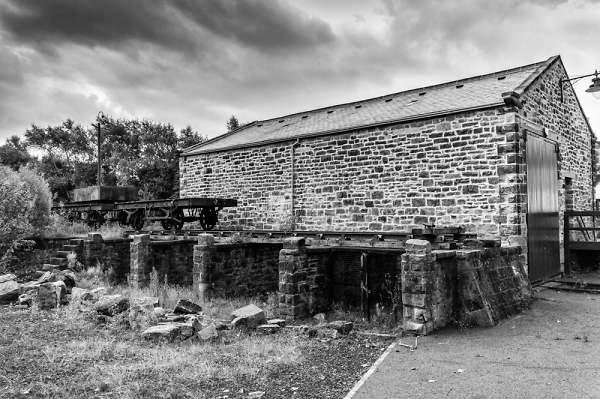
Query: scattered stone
222, 325
77, 293
174, 318
93, 295
186, 330
184, 306
166, 332
27, 298
51, 295
327, 333
253, 315
9, 288
343, 327
238, 323
194, 321
209, 332
21, 307
141, 315
279, 322
67, 276
38, 274
160, 312
320, 317
111, 305
28, 286
268, 328
145, 300
48, 267
300, 329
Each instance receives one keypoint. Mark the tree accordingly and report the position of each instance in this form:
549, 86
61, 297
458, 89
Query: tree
188, 137
68, 155
24, 204
232, 124
14, 153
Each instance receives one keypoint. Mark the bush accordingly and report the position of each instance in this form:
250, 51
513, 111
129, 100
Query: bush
25, 202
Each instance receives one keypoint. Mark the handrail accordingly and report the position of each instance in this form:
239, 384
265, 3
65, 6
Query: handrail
589, 232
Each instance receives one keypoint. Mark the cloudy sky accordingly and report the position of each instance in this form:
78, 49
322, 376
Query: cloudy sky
198, 62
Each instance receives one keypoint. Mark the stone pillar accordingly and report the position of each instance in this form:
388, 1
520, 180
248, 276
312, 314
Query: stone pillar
417, 287
202, 261
92, 250
293, 276
139, 257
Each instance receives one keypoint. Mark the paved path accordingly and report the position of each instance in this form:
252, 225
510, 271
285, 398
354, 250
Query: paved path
550, 351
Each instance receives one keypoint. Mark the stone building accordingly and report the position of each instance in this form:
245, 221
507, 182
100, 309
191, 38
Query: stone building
501, 154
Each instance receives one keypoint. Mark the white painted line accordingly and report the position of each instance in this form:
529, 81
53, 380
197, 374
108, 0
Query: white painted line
370, 371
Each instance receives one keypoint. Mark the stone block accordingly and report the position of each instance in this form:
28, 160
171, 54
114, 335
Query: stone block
253, 315
288, 288
110, 305
162, 332
414, 246
184, 306
9, 288
51, 295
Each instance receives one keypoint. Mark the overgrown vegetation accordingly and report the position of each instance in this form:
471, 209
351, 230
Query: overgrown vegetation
25, 203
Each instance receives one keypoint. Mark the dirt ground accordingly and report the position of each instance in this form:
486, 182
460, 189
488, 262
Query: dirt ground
551, 350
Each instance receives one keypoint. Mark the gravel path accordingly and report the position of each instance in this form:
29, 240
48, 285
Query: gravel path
329, 369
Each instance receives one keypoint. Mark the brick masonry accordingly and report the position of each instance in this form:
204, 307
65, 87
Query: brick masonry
466, 169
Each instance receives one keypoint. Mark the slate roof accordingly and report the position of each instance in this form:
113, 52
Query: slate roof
467, 94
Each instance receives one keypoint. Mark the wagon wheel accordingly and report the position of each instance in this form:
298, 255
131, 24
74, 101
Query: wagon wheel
122, 218
137, 220
94, 219
178, 215
208, 218
166, 224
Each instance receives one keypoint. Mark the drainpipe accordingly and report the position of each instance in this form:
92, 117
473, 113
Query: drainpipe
292, 183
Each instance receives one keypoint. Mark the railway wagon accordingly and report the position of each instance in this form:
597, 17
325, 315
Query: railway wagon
97, 205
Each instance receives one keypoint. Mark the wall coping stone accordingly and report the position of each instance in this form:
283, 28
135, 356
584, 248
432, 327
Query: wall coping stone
418, 246
206, 239
95, 237
141, 238
294, 242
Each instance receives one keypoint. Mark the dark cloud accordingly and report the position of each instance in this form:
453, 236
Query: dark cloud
184, 26
110, 23
269, 25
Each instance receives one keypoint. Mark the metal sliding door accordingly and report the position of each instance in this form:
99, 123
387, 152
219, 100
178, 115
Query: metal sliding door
542, 209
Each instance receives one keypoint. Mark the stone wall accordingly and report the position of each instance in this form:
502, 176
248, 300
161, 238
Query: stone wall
111, 255
475, 286
471, 286
173, 261
235, 269
443, 171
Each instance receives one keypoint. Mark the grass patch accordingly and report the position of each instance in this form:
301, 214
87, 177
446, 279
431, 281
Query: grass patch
64, 353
